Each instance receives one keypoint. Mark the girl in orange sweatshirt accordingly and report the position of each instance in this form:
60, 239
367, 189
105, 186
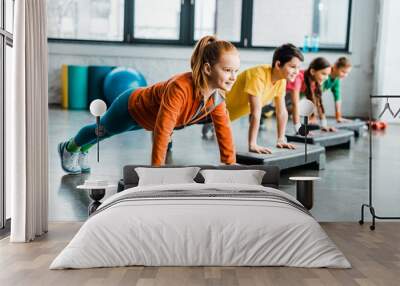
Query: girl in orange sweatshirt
178, 102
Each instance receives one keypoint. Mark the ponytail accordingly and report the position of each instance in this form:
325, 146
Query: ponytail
207, 50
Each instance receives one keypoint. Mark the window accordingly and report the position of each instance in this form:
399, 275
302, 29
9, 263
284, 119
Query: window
8, 69
246, 23
220, 17
9, 11
157, 19
332, 33
205, 18
280, 21
6, 29
2, 131
86, 19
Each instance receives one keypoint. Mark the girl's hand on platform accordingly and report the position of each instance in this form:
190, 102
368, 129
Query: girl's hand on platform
284, 144
329, 129
342, 120
259, 149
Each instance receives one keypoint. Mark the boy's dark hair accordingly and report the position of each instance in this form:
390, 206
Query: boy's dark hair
286, 53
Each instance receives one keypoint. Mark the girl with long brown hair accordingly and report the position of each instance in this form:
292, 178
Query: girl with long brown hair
308, 83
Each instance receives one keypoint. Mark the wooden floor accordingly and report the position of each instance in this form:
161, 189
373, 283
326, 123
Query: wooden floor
374, 255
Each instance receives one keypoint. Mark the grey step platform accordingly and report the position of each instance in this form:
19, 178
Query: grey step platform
340, 138
357, 126
286, 158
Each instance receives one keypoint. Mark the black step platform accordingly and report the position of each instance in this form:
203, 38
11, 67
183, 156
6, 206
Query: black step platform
340, 138
286, 158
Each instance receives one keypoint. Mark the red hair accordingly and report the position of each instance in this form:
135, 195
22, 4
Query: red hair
208, 50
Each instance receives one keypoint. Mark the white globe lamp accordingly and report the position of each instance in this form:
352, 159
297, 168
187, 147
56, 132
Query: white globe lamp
97, 108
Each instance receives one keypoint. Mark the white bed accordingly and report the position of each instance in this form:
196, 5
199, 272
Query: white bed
203, 225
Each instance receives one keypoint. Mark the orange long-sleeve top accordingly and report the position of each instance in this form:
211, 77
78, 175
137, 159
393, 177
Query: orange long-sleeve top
170, 104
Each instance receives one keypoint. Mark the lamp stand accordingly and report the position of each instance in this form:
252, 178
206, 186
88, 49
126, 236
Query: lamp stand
99, 133
305, 137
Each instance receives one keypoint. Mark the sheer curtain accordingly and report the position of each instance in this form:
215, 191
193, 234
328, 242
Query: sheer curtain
26, 123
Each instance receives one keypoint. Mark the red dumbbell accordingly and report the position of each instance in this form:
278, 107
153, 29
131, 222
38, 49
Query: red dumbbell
374, 125
383, 125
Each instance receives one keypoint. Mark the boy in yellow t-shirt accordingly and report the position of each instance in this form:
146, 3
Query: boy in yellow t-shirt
260, 85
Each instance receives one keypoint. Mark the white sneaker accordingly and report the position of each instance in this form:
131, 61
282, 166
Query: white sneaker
69, 160
83, 162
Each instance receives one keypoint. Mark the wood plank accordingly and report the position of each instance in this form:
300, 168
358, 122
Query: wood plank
374, 255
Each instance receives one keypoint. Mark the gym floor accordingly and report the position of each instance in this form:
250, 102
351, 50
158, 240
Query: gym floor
338, 195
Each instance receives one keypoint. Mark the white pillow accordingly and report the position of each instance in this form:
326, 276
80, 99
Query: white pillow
248, 177
166, 176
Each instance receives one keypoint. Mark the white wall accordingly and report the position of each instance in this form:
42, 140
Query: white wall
158, 63
386, 80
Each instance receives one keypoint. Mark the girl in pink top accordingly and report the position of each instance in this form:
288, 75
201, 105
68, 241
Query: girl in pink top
308, 83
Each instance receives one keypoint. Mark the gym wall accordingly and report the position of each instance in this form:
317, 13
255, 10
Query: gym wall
160, 62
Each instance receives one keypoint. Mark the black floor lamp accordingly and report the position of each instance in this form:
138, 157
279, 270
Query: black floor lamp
370, 203
305, 185
306, 108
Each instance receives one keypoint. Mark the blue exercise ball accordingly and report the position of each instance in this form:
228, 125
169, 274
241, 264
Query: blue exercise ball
119, 80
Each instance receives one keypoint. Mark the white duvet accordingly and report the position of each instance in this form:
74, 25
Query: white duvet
188, 231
